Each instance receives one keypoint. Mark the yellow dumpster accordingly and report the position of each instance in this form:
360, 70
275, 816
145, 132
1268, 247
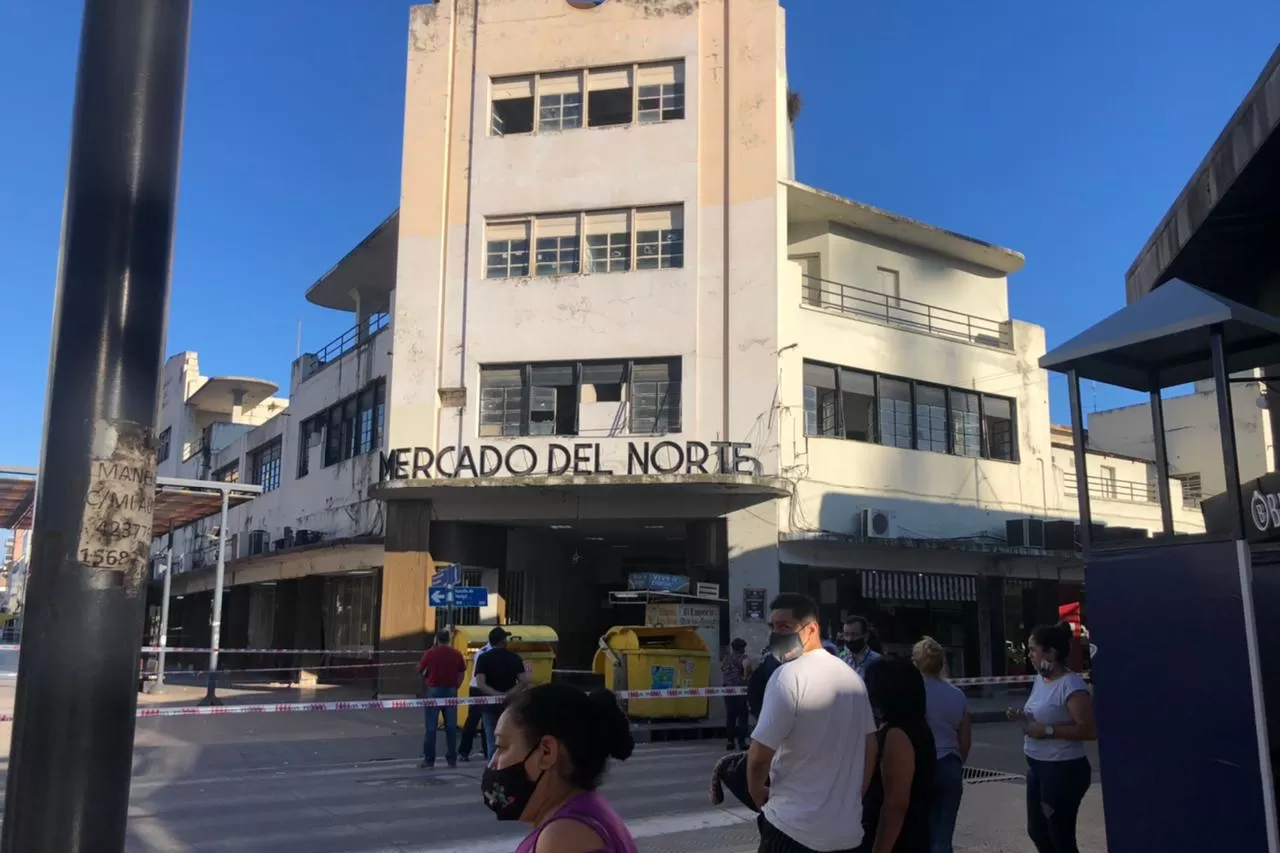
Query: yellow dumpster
636, 658
536, 645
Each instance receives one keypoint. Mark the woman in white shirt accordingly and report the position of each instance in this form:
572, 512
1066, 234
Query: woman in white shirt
1057, 720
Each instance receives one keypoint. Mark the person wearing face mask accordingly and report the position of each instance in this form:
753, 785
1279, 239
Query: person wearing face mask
551, 746
857, 645
1056, 722
813, 749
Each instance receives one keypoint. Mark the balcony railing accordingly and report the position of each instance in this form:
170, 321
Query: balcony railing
1130, 491
349, 340
908, 314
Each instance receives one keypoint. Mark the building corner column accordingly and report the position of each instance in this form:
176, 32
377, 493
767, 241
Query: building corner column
752, 539
405, 616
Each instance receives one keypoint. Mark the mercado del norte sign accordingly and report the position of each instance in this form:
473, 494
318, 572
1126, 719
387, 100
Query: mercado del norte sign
562, 459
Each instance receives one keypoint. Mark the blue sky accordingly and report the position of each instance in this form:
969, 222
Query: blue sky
1061, 130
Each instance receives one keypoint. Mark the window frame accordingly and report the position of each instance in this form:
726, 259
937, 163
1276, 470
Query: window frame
274, 476
678, 95
164, 445
221, 474
674, 415
840, 432
342, 437
582, 264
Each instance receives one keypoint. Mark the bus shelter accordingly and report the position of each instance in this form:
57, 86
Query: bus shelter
1187, 707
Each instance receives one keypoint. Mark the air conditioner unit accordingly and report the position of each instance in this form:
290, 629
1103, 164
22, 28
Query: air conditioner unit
1025, 532
258, 541
876, 524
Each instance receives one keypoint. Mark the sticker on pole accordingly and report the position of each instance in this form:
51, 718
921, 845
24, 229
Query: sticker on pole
115, 533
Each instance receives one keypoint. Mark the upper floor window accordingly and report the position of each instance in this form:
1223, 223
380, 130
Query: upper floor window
643, 93
602, 241
163, 442
229, 473
351, 427
844, 403
581, 398
264, 465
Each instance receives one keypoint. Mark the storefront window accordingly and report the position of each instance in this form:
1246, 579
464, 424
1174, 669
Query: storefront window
350, 609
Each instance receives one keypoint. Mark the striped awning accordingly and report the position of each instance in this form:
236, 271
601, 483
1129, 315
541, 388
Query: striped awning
918, 586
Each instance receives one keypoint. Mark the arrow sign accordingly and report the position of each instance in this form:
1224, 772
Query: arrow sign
440, 596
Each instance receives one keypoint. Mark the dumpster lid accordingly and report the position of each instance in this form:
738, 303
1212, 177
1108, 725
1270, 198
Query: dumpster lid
478, 635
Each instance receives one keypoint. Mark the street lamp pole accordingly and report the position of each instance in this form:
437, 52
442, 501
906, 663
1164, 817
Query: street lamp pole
76, 701
164, 614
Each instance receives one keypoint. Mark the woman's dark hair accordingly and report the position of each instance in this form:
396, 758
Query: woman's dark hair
1057, 637
590, 725
738, 645
896, 690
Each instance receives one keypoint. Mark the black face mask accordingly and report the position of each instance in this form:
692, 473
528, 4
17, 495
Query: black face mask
507, 790
786, 647
856, 646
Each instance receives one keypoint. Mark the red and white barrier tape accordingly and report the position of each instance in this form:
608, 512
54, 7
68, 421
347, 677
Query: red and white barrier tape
352, 653
408, 704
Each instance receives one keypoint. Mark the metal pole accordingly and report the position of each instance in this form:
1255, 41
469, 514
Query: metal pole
1226, 426
77, 692
164, 614
215, 633
1081, 458
1162, 462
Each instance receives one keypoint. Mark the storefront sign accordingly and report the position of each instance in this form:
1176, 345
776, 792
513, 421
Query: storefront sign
753, 604
577, 459
658, 582
1261, 500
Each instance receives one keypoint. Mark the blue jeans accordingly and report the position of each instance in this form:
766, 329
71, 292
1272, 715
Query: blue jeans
948, 787
490, 715
450, 726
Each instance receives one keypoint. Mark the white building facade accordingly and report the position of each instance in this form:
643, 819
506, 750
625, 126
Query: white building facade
627, 355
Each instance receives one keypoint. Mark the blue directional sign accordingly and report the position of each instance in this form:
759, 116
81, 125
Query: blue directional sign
470, 596
447, 575
458, 596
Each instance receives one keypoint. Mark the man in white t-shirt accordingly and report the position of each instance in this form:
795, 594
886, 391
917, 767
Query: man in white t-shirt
813, 750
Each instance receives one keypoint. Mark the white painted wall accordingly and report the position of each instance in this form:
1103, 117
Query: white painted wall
1192, 437
331, 500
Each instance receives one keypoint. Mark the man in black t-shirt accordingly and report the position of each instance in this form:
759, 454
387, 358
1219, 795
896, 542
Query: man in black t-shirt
498, 672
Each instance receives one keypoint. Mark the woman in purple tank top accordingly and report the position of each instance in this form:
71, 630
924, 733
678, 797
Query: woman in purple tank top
550, 749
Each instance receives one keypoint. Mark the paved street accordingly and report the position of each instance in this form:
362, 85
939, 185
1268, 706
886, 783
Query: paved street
323, 783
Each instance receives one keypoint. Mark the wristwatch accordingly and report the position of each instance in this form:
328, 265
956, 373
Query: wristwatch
1048, 732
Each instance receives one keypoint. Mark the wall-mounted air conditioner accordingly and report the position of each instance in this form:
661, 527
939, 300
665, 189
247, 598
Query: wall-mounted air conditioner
1025, 532
872, 523
258, 541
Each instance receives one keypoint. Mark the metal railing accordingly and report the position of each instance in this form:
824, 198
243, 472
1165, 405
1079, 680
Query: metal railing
1105, 488
1131, 491
350, 339
908, 314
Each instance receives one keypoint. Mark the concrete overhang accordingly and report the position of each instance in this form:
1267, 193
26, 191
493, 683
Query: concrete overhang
221, 394
537, 498
1220, 232
368, 270
807, 204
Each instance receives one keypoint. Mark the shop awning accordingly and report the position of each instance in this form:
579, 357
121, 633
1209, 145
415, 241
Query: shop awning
179, 502
919, 586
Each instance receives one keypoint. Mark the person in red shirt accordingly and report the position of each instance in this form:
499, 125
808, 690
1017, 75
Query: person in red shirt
442, 668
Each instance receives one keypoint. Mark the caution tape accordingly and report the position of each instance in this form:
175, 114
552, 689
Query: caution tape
355, 653
411, 704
